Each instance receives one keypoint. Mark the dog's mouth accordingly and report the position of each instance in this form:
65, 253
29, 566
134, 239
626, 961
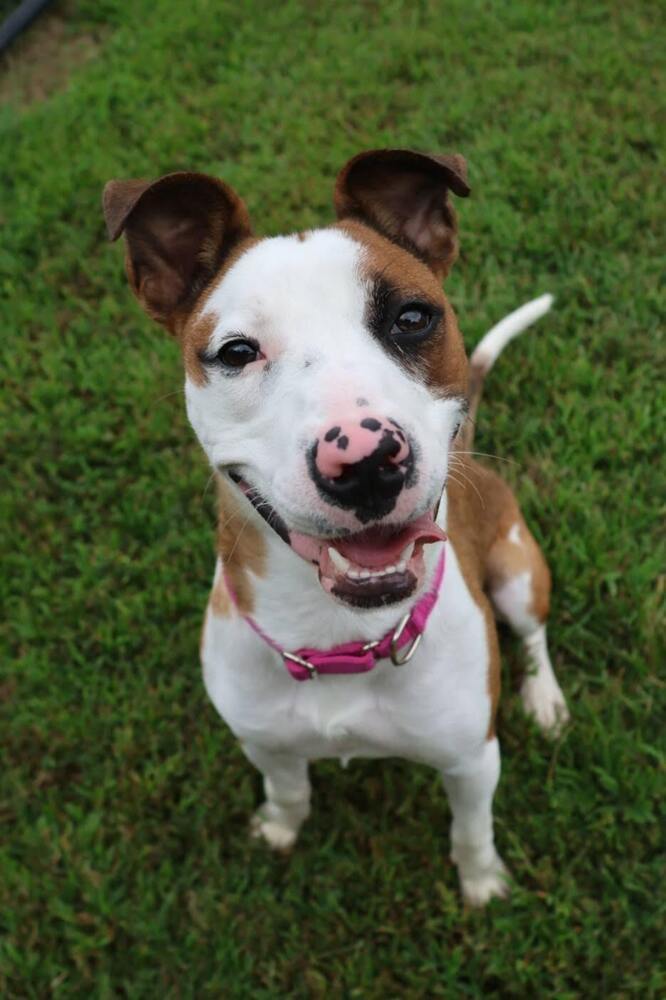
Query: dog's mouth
374, 568
377, 567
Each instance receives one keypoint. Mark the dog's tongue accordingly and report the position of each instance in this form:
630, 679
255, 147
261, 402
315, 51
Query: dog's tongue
375, 548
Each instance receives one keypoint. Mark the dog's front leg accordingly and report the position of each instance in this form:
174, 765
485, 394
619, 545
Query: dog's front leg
470, 786
287, 791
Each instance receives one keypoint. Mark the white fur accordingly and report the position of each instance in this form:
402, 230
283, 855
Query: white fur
541, 694
493, 343
470, 787
513, 600
514, 534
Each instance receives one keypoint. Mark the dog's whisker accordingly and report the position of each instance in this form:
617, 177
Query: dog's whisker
227, 521
462, 487
168, 395
453, 479
238, 538
487, 454
208, 482
470, 483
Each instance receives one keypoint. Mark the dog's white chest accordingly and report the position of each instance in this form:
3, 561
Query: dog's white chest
429, 709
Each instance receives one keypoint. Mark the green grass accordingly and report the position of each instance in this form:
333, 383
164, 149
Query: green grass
125, 869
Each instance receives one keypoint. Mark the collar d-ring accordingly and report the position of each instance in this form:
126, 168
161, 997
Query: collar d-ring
398, 657
302, 662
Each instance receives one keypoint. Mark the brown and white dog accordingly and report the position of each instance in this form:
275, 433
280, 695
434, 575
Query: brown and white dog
327, 382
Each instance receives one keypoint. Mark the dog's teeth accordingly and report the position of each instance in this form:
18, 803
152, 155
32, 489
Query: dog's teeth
362, 573
407, 552
338, 559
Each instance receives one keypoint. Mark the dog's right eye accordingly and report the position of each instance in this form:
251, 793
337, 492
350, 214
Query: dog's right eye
238, 353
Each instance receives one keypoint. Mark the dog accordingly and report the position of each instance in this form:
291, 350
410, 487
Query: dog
362, 554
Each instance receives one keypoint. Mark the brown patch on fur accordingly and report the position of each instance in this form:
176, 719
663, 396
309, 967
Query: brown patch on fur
465, 550
507, 559
481, 512
220, 602
474, 390
242, 549
398, 266
442, 358
475, 499
446, 358
199, 332
541, 586
198, 328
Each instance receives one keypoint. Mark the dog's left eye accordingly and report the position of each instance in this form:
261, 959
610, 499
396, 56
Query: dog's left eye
237, 353
413, 320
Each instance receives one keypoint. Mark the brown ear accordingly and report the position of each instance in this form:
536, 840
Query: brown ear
404, 195
178, 230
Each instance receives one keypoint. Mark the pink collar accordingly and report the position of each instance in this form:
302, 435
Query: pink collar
359, 657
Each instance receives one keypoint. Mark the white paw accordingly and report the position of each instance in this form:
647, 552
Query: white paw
544, 701
485, 885
278, 835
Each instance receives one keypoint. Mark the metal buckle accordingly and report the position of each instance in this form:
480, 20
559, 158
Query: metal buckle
312, 671
399, 660
371, 645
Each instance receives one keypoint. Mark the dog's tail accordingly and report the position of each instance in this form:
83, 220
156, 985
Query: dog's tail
486, 353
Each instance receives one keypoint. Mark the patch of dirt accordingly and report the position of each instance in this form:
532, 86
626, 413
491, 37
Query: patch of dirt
39, 62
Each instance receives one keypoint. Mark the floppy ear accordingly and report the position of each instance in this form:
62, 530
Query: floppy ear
405, 195
178, 230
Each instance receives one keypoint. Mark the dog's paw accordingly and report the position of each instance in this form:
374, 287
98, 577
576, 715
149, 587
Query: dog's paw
544, 702
491, 883
278, 835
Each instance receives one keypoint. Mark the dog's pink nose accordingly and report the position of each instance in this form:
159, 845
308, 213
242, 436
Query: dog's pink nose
362, 463
352, 441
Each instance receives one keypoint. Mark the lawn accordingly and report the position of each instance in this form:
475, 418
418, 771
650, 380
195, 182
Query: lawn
126, 869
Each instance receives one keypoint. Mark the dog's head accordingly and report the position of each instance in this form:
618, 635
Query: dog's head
325, 372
